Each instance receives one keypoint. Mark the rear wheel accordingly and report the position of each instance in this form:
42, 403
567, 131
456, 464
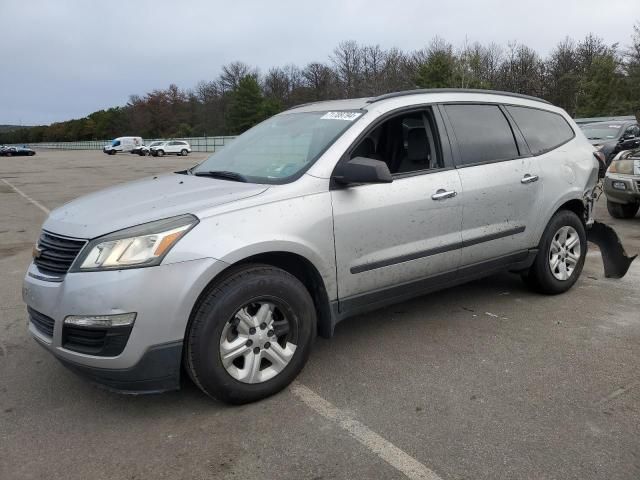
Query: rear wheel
184, 153
561, 255
622, 210
250, 335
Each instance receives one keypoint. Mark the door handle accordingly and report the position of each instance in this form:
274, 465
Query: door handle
529, 178
441, 194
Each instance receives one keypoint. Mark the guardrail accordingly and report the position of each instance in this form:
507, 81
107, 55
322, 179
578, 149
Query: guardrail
198, 144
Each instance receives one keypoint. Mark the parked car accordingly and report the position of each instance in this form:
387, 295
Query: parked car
143, 150
122, 144
171, 147
23, 151
622, 184
229, 269
613, 137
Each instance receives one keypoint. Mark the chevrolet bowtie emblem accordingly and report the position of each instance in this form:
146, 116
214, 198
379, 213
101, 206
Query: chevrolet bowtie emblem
36, 251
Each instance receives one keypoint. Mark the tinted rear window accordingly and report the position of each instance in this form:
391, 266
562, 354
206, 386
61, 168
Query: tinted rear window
483, 133
542, 130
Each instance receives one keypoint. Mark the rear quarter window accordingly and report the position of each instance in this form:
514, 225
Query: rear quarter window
542, 130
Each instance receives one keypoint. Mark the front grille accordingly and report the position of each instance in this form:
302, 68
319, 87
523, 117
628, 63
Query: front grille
42, 323
103, 342
57, 253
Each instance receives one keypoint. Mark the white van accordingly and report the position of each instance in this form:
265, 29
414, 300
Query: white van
122, 144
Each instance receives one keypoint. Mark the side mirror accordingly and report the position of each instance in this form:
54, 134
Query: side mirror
628, 136
362, 170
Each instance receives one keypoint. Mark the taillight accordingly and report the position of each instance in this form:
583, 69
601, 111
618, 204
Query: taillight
602, 162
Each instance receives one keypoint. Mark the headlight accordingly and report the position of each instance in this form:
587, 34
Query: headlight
140, 246
621, 166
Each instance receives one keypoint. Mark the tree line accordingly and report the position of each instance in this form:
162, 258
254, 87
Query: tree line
587, 78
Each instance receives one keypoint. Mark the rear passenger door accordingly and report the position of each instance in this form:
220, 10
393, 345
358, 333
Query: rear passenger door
501, 184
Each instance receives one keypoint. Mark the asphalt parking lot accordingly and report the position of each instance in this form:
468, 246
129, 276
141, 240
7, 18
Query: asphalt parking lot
483, 381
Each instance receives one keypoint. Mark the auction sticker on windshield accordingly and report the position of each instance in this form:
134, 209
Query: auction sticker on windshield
348, 116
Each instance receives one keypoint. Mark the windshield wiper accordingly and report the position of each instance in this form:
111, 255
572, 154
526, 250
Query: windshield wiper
595, 138
222, 174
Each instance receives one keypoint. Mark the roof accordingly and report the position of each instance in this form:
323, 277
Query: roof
453, 90
362, 103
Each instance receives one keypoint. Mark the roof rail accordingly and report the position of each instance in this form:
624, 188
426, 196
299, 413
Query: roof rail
453, 90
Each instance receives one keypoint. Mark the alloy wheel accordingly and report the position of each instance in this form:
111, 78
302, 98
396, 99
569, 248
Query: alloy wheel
258, 342
564, 253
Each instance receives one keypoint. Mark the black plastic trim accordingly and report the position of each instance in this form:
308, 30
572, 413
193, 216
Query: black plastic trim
368, 301
434, 251
157, 371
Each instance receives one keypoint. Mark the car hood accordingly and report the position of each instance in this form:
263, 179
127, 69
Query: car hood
142, 201
602, 141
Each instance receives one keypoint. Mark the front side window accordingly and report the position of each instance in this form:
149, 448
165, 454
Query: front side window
483, 133
115, 143
407, 142
542, 130
280, 148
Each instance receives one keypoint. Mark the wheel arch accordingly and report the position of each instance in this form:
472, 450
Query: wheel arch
574, 202
295, 264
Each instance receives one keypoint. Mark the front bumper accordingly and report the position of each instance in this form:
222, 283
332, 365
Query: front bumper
162, 297
631, 193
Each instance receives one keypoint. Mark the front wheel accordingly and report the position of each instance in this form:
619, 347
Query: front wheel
250, 335
561, 254
159, 153
622, 210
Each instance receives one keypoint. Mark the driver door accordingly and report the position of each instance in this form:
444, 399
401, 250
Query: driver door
390, 238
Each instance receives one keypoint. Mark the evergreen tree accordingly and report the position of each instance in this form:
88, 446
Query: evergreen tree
246, 106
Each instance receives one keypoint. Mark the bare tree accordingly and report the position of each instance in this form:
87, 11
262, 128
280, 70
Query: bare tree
347, 61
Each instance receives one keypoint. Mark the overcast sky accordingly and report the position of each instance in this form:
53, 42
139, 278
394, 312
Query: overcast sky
64, 59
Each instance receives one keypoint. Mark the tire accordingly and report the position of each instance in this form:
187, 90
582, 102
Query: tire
184, 152
622, 210
8, 154
159, 153
216, 327
569, 259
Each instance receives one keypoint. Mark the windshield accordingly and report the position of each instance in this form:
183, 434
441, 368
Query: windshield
155, 144
602, 132
280, 148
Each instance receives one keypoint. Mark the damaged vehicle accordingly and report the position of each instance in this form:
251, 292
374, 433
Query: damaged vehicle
228, 270
622, 185
612, 137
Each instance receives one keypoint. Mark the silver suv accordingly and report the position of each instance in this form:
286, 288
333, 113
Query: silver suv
229, 269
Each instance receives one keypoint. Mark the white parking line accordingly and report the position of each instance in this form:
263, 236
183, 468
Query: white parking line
21, 193
387, 451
